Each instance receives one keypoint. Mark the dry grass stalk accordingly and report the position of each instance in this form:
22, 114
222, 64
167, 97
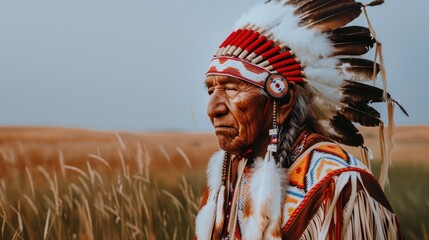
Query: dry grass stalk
129, 202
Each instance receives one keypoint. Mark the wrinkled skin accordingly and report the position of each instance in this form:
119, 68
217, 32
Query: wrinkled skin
236, 110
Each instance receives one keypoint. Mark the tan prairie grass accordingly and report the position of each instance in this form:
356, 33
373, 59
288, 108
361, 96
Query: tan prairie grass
58, 183
87, 204
77, 184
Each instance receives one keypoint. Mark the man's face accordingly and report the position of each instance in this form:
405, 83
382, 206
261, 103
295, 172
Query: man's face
236, 111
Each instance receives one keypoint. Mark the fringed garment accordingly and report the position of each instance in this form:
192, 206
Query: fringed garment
325, 194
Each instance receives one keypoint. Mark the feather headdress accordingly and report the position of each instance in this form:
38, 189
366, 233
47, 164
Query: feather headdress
308, 43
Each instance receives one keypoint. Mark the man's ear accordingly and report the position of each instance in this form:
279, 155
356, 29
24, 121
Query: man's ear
285, 108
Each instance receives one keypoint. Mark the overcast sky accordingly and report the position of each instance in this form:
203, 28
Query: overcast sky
140, 65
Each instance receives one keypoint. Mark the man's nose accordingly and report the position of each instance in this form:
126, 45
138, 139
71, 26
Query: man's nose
216, 107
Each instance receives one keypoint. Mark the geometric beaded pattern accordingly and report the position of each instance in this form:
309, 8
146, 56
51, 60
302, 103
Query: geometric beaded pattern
310, 170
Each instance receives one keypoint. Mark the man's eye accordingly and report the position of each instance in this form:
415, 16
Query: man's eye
231, 87
210, 91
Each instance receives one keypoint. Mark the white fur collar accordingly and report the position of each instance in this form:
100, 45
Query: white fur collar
206, 217
265, 196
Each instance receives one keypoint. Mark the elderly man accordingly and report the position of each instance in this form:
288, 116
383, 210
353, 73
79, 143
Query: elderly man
282, 98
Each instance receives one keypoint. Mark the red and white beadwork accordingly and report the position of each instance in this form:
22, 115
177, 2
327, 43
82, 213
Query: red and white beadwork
227, 66
252, 54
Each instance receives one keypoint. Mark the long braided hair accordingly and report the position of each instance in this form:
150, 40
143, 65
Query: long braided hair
299, 119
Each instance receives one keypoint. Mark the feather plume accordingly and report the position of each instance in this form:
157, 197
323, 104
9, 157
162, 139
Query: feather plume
351, 34
206, 217
298, 3
331, 18
357, 69
205, 220
326, 93
362, 114
220, 213
320, 110
265, 194
350, 48
346, 132
214, 171
360, 93
375, 3
351, 40
318, 4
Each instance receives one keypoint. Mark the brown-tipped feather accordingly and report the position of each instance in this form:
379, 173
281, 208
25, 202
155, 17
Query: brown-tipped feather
352, 34
318, 4
376, 3
298, 3
352, 49
362, 114
359, 69
347, 133
331, 18
360, 93
352, 40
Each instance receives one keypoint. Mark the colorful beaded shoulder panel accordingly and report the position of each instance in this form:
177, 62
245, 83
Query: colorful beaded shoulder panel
314, 165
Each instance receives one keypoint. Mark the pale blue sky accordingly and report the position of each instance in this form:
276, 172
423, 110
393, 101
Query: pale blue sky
139, 65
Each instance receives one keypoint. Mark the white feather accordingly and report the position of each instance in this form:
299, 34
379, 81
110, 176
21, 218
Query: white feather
308, 44
252, 228
326, 76
265, 189
276, 205
329, 62
265, 182
206, 216
219, 207
344, 72
328, 94
323, 109
258, 15
214, 171
205, 220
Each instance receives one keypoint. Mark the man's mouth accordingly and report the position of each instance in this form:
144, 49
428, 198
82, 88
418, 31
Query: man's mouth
224, 129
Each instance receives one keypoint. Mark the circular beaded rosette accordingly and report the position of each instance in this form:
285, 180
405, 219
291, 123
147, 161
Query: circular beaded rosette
276, 86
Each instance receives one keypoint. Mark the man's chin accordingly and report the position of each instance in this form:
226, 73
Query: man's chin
227, 143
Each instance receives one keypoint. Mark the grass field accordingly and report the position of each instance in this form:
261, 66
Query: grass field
77, 184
